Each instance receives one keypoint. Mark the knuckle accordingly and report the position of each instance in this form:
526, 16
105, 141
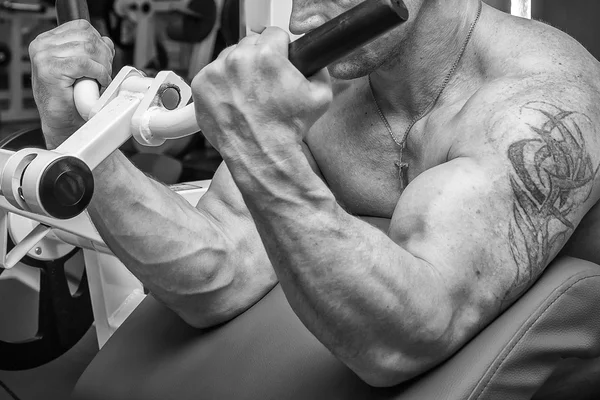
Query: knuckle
34, 56
278, 33
226, 52
92, 34
41, 41
80, 63
32, 49
238, 57
82, 24
211, 72
266, 52
198, 79
109, 44
39, 60
89, 47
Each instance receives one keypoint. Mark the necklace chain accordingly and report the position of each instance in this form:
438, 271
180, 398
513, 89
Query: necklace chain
445, 83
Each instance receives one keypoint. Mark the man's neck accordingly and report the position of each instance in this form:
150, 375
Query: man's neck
407, 84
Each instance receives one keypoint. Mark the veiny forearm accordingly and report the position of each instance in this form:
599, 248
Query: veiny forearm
174, 249
374, 305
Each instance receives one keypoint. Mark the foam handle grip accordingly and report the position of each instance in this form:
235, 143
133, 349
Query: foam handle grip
343, 34
70, 10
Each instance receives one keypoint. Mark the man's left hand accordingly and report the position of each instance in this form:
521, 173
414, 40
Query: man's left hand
252, 102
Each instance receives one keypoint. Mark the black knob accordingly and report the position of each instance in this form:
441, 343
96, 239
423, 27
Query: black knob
66, 187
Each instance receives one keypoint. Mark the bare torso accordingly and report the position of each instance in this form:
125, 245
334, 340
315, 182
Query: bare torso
355, 153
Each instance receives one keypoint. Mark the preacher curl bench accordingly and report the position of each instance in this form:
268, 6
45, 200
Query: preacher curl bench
267, 353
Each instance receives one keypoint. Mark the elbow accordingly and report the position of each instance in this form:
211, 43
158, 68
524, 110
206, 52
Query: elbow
205, 320
391, 364
226, 300
202, 311
208, 303
395, 368
384, 378
383, 373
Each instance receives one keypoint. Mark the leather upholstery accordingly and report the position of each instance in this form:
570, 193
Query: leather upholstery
266, 353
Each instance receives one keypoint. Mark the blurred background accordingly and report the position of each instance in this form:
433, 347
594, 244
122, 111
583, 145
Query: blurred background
151, 35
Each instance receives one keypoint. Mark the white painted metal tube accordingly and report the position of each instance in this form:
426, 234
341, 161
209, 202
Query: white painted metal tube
173, 124
86, 93
137, 84
23, 247
162, 123
4, 156
108, 130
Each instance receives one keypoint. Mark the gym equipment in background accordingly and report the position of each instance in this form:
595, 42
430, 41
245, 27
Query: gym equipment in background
63, 315
15, 91
191, 22
5, 55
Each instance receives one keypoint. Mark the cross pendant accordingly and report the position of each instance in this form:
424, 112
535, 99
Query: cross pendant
402, 173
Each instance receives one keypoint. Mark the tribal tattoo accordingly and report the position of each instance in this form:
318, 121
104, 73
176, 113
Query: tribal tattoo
553, 176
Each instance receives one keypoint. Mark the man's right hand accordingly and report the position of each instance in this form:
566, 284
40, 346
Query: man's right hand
59, 57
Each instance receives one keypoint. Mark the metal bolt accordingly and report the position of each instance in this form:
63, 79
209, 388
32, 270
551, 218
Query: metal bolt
38, 250
170, 97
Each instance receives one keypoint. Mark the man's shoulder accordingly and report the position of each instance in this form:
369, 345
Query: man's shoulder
511, 105
507, 96
525, 58
520, 45
529, 116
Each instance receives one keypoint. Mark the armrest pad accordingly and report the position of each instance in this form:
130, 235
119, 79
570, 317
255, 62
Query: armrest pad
266, 353
513, 357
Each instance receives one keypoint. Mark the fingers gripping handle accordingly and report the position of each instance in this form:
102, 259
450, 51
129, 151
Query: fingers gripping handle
86, 91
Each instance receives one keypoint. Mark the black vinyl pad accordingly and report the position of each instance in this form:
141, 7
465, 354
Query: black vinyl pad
267, 353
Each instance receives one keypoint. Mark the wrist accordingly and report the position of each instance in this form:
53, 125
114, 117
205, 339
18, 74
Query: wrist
258, 144
111, 180
55, 137
281, 158
109, 167
267, 179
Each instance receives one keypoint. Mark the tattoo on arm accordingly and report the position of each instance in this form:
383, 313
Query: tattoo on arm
553, 176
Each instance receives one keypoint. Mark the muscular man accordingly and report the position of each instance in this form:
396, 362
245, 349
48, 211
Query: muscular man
470, 137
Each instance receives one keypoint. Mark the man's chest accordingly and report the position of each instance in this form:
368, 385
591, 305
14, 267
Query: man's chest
360, 160
364, 179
